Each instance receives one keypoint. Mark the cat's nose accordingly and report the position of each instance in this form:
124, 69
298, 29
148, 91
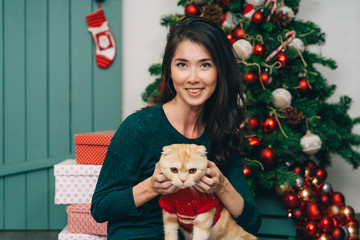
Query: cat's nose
182, 180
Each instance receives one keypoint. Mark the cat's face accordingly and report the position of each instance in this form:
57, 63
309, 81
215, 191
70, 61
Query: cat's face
183, 164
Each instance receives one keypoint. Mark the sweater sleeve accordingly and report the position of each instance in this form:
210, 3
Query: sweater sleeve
113, 197
250, 218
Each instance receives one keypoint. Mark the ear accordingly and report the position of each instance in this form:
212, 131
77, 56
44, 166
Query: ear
201, 150
166, 150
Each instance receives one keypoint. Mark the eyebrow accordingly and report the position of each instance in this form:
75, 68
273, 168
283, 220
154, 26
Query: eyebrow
185, 60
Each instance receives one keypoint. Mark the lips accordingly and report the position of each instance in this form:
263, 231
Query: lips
194, 90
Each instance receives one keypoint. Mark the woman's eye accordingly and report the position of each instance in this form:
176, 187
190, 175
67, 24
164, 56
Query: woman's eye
181, 65
173, 170
206, 65
192, 170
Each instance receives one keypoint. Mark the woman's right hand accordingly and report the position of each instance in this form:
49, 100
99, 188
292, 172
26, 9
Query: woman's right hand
160, 183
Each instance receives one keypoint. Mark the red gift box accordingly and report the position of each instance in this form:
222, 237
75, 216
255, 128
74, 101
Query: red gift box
81, 221
91, 147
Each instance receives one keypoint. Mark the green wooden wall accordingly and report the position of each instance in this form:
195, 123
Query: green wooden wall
50, 89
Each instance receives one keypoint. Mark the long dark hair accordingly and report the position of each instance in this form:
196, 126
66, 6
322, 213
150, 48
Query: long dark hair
223, 112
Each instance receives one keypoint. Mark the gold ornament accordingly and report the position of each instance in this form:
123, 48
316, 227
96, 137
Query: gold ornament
324, 236
347, 211
282, 188
309, 173
354, 231
317, 182
306, 194
334, 210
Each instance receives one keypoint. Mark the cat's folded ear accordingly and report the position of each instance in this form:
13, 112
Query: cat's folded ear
166, 150
201, 150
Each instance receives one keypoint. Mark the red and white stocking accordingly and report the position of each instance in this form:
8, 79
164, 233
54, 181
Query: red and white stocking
105, 47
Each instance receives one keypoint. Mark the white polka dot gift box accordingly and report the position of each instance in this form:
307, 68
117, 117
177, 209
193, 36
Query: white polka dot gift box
75, 183
66, 235
91, 148
81, 221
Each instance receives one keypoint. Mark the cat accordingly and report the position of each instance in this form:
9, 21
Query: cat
199, 215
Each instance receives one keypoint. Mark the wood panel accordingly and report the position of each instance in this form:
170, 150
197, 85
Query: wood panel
50, 89
59, 78
82, 87
107, 82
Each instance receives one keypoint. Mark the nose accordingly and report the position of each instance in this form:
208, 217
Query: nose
193, 76
182, 180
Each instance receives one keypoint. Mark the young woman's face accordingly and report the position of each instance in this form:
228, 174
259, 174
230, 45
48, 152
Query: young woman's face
194, 74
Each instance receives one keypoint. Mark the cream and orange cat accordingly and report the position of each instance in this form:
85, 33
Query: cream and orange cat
199, 215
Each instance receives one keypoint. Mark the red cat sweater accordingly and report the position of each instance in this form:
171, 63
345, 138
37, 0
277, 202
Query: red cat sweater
188, 203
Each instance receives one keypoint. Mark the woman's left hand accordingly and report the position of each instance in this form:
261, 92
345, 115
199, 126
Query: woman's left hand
213, 181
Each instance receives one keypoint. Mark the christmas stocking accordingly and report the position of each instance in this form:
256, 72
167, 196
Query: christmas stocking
105, 47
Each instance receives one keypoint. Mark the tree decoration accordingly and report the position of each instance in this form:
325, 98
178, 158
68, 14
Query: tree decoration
338, 234
311, 229
213, 12
304, 86
255, 2
326, 224
191, 10
292, 115
338, 199
268, 157
260, 50
254, 141
243, 49
265, 78
310, 143
254, 123
273, 9
297, 44
291, 200
270, 125
258, 17
238, 33
250, 78
282, 16
290, 35
281, 98
229, 21
249, 11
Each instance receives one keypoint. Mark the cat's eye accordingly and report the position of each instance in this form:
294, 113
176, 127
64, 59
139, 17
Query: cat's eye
192, 170
174, 170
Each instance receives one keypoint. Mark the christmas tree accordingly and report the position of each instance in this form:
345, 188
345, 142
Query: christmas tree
291, 130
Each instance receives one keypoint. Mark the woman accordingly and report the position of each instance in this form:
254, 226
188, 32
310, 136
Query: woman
200, 104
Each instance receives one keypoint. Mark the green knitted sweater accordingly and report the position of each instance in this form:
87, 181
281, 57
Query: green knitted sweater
132, 154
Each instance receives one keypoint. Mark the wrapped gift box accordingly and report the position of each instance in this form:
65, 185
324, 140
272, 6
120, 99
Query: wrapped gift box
75, 183
81, 221
91, 147
66, 235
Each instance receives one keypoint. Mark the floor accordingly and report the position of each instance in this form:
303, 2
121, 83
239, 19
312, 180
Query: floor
29, 235
45, 235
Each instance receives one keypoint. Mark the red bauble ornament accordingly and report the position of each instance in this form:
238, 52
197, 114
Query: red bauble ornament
321, 174
254, 123
268, 157
310, 164
338, 234
326, 224
254, 141
283, 59
250, 78
313, 211
270, 125
311, 229
298, 214
291, 200
257, 17
248, 172
259, 50
353, 221
238, 33
338, 199
325, 199
191, 10
161, 86
231, 38
304, 85
224, 2
265, 78
299, 170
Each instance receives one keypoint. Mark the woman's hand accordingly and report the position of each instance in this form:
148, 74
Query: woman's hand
213, 181
160, 183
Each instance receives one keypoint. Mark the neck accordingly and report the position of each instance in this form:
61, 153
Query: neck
185, 119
